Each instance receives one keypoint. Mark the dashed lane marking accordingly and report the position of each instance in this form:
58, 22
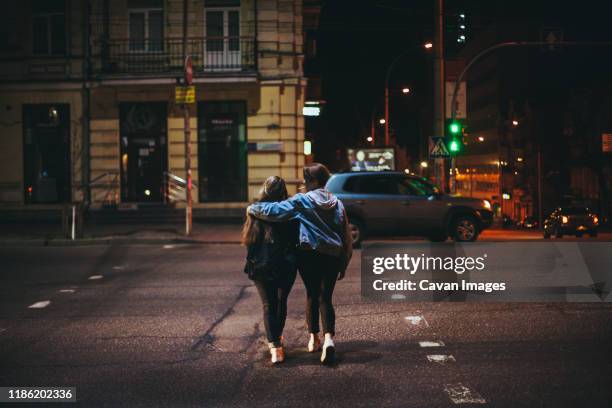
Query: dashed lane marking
168, 246
441, 358
95, 277
40, 305
417, 320
460, 394
118, 267
2, 330
66, 290
431, 343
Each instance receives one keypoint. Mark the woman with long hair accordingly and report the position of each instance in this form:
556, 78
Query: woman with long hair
271, 264
324, 250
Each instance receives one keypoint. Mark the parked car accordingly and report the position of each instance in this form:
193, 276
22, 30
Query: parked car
507, 221
393, 203
529, 222
571, 221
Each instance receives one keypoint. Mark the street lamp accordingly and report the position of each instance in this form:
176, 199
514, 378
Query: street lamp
428, 45
406, 91
515, 122
480, 139
424, 164
369, 139
382, 121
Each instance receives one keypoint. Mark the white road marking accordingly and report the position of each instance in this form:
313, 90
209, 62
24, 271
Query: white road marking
417, 320
95, 277
40, 305
66, 291
431, 343
441, 358
460, 394
118, 268
2, 330
168, 246
398, 296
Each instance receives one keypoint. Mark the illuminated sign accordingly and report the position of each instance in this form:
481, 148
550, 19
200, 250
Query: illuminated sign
372, 159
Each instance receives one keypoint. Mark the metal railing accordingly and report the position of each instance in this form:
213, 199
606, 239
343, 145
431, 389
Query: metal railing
175, 188
165, 56
109, 182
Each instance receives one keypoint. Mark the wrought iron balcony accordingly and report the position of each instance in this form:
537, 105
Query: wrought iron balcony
209, 55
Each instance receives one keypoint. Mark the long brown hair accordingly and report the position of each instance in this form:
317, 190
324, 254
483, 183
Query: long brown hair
272, 190
316, 174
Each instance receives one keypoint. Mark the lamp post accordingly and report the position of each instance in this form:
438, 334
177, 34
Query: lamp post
405, 91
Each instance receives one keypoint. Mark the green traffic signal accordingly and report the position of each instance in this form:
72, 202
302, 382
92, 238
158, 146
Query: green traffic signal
454, 146
454, 128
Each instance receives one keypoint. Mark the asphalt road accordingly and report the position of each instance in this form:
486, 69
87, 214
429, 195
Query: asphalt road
181, 326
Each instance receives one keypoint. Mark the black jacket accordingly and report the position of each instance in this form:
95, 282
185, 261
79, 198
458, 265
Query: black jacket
275, 258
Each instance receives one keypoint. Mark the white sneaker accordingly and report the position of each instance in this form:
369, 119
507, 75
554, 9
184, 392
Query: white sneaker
277, 355
329, 350
314, 343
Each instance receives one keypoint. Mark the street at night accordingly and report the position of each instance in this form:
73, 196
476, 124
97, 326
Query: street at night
305, 203
180, 326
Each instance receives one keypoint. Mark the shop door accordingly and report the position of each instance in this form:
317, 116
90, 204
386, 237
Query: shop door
46, 153
143, 151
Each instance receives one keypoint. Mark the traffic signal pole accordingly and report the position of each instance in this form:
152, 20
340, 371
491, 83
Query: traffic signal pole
439, 92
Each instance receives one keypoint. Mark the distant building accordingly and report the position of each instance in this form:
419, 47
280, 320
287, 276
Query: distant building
87, 100
522, 101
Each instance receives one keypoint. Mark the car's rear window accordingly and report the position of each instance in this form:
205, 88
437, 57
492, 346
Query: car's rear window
574, 211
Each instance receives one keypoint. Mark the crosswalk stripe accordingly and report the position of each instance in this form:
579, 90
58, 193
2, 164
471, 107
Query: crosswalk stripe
461, 394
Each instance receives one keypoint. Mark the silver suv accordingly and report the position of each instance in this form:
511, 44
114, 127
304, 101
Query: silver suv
393, 203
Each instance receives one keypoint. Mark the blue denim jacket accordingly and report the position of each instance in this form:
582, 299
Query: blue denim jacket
323, 221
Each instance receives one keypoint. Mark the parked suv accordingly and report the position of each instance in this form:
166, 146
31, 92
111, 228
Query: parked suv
388, 203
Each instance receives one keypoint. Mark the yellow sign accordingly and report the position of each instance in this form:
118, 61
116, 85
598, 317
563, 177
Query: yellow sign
184, 94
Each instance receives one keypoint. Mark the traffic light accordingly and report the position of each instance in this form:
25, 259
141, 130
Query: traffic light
454, 146
461, 28
454, 128
454, 135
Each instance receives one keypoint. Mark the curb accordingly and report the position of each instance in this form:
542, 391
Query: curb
108, 241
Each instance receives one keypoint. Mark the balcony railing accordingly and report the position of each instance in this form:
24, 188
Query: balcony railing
209, 55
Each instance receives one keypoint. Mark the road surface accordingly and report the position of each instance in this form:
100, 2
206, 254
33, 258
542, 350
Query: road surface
180, 325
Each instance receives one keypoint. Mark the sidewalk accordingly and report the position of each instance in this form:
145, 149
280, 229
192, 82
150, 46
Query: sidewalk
50, 234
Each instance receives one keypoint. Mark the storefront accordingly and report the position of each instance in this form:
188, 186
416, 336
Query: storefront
222, 151
144, 157
46, 153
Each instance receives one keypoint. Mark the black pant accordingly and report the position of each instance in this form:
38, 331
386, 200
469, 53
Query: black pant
274, 294
319, 273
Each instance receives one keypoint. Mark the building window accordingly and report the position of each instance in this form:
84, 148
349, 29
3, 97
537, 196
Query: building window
222, 30
49, 27
146, 25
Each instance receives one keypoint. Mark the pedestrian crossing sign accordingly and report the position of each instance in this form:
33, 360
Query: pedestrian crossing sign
439, 150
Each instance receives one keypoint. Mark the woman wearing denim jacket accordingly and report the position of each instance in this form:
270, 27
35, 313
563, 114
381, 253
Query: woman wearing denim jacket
324, 249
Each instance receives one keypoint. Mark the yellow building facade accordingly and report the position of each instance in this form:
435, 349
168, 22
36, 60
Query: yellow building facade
88, 109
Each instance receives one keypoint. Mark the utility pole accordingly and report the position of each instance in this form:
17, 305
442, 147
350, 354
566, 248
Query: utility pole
540, 213
188, 81
439, 93
373, 130
387, 111
85, 100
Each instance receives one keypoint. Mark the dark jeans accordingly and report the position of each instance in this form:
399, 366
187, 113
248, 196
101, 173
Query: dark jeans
319, 273
274, 294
